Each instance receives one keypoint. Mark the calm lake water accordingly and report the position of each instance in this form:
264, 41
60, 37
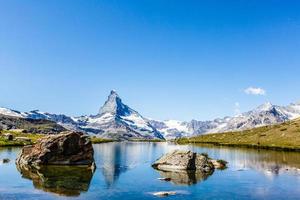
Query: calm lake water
124, 172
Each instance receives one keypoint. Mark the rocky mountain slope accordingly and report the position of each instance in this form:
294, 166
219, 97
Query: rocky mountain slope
266, 114
41, 126
115, 120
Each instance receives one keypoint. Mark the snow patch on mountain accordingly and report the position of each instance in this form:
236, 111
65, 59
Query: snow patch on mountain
9, 112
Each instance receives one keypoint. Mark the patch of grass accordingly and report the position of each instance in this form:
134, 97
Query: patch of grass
283, 136
97, 140
146, 140
5, 142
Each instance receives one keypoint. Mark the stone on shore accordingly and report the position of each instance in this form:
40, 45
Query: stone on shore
68, 148
9, 136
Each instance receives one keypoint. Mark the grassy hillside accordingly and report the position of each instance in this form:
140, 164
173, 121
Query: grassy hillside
39, 126
32, 129
281, 136
5, 142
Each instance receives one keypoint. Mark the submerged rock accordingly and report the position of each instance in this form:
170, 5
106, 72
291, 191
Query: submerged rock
219, 164
5, 160
68, 148
164, 193
169, 193
165, 179
184, 160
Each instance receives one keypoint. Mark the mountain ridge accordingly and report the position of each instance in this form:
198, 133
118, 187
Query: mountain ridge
118, 121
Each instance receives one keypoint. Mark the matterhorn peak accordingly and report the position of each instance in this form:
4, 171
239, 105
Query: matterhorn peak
113, 92
114, 105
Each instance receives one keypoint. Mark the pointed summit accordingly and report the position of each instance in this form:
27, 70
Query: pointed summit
114, 105
264, 107
118, 121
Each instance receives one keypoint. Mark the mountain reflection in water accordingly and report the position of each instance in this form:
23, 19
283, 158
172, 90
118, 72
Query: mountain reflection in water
62, 180
117, 158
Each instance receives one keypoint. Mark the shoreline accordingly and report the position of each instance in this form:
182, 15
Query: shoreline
248, 146
217, 144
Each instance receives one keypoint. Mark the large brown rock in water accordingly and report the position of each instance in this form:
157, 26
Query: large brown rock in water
68, 148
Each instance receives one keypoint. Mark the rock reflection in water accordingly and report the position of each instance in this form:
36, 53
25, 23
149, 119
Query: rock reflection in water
184, 177
62, 180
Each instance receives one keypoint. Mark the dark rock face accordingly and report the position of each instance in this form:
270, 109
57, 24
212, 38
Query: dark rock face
184, 160
68, 148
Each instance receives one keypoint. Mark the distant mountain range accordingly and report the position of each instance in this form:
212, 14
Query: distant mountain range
118, 121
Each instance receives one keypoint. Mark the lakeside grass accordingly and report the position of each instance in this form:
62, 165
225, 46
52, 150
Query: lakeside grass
98, 140
285, 136
34, 137
146, 140
4, 142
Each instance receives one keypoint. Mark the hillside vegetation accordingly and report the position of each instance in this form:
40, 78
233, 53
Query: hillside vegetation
284, 136
4, 142
38, 126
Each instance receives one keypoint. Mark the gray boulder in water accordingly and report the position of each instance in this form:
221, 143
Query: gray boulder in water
184, 160
68, 148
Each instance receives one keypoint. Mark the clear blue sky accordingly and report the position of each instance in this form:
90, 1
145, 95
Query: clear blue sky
166, 59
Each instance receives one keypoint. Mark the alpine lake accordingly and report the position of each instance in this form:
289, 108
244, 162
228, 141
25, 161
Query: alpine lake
124, 172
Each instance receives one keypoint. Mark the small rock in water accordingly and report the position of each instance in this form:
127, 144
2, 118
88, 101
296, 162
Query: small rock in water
219, 164
5, 160
164, 179
164, 193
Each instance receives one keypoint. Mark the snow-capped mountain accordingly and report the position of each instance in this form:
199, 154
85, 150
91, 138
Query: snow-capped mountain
9, 112
117, 120
265, 114
114, 120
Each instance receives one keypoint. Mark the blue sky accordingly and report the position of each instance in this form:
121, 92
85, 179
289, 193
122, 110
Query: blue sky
167, 59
